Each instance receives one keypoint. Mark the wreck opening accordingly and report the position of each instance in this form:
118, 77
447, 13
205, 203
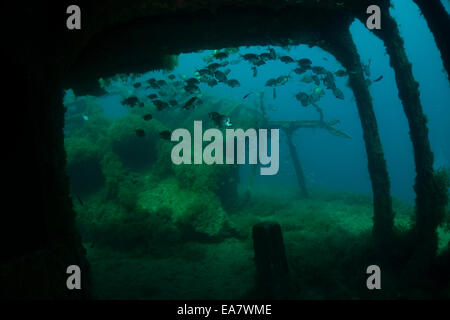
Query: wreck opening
153, 44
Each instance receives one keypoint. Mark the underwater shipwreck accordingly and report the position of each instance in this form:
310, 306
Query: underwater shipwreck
92, 182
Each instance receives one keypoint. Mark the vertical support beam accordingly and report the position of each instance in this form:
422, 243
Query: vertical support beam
430, 201
438, 21
341, 44
297, 165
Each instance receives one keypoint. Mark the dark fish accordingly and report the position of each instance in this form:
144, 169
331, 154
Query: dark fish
304, 98
212, 82
286, 59
250, 57
137, 85
328, 80
220, 76
191, 103
271, 83
221, 55
147, 117
255, 72
173, 103
140, 132
204, 72
227, 72
204, 79
272, 54
282, 80
265, 56
171, 77
300, 70
192, 81
258, 62
161, 83
192, 89
378, 79
165, 134
274, 92
154, 85
340, 73
151, 80
141, 104
306, 63
247, 95
160, 105
233, 83
319, 70
152, 96
163, 93
130, 101
338, 93
213, 66
224, 64
316, 80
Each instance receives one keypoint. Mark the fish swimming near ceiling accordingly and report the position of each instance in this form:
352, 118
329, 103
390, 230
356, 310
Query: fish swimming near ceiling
300, 70
340, 73
192, 89
286, 59
221, 55
213, 66
212, 82
233, 83
305, 63
338, 93
220, 76
303, 98
192, 81
319, 70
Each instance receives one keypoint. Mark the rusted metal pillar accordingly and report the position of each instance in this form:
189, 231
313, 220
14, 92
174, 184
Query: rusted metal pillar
297, 165
430, 199
438, 21
341, 44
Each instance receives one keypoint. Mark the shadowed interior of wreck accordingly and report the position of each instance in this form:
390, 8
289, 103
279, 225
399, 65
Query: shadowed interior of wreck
114, 39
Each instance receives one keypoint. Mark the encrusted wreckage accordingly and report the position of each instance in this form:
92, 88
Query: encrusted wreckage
137, 36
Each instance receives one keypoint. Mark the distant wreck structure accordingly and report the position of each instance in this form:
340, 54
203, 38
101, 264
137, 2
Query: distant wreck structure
140, 35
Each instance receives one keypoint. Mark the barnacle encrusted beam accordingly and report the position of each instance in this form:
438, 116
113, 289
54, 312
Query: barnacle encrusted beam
430, 205
438, 21
341, 45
